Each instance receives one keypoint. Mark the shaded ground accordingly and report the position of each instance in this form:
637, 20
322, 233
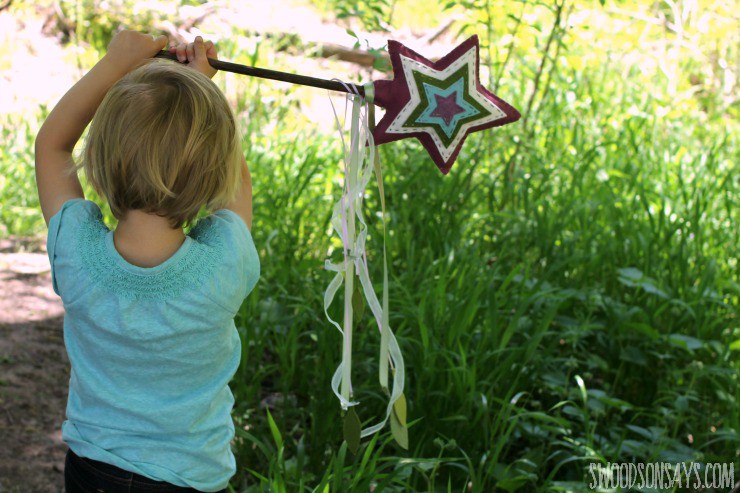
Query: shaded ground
34, 372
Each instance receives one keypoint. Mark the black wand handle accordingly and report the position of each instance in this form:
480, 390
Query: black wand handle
263, 73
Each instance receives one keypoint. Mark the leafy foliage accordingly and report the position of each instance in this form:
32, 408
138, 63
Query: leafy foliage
372, 15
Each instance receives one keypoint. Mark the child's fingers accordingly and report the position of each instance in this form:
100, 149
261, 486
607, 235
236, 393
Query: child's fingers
190, 52
180, 50
211, 50
160, 42
202, 51
199, 48
196, 54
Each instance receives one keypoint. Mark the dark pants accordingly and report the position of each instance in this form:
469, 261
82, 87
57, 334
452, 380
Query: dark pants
83, 475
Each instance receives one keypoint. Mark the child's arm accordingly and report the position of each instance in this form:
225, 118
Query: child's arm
64, 126
242, 203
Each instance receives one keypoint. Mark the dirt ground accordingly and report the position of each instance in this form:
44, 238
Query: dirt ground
34, 371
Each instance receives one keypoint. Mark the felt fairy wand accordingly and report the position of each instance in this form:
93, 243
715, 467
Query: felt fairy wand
440, 103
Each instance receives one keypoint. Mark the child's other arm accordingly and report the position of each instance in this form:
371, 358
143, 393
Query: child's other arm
242, 203
64, 126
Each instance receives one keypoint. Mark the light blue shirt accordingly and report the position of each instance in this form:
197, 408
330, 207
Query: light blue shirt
152, 350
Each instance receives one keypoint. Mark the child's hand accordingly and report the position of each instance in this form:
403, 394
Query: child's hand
197, 55
128, 49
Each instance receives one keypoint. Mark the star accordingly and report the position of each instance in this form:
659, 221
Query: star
446, 107
427, 107
440, 103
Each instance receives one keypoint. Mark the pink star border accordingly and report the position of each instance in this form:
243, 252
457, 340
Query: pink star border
394, 94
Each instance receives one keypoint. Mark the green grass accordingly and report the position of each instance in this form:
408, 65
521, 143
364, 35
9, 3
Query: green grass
567, 294
501, 311
580, 311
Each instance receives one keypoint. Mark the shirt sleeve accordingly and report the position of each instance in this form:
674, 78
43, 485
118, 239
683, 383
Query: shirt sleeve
240, 268
63, 229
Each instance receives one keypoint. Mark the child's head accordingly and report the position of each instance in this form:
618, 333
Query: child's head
164, 141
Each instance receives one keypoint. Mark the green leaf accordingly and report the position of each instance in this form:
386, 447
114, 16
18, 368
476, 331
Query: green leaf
643, 432
634, 278
650, 288
682, 403
735, 345
352, 430
274, 430
629, 276
582, 387
643, 328
338, 468
513, 484
358, 303
381, 65
632, 354
399, 408
399, 431
686, 342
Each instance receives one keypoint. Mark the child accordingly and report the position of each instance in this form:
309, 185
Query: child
149, 322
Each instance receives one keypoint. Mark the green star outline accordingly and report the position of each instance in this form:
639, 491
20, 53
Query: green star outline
420, 79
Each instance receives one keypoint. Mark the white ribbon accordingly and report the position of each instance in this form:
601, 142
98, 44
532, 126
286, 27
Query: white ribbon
359, 163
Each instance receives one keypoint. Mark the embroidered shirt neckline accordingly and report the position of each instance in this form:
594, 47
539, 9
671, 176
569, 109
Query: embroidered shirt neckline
125, 264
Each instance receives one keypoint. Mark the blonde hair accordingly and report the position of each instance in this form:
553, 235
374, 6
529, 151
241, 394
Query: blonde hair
164, 141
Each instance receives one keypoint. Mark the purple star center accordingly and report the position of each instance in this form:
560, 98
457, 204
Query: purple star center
447, 107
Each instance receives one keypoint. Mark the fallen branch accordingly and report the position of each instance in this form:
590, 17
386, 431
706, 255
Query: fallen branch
357, 56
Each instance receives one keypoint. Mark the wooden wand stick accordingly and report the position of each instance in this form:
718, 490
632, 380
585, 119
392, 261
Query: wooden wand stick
263, 73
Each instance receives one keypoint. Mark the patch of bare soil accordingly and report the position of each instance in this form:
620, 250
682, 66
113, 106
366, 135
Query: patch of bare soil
34, 372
